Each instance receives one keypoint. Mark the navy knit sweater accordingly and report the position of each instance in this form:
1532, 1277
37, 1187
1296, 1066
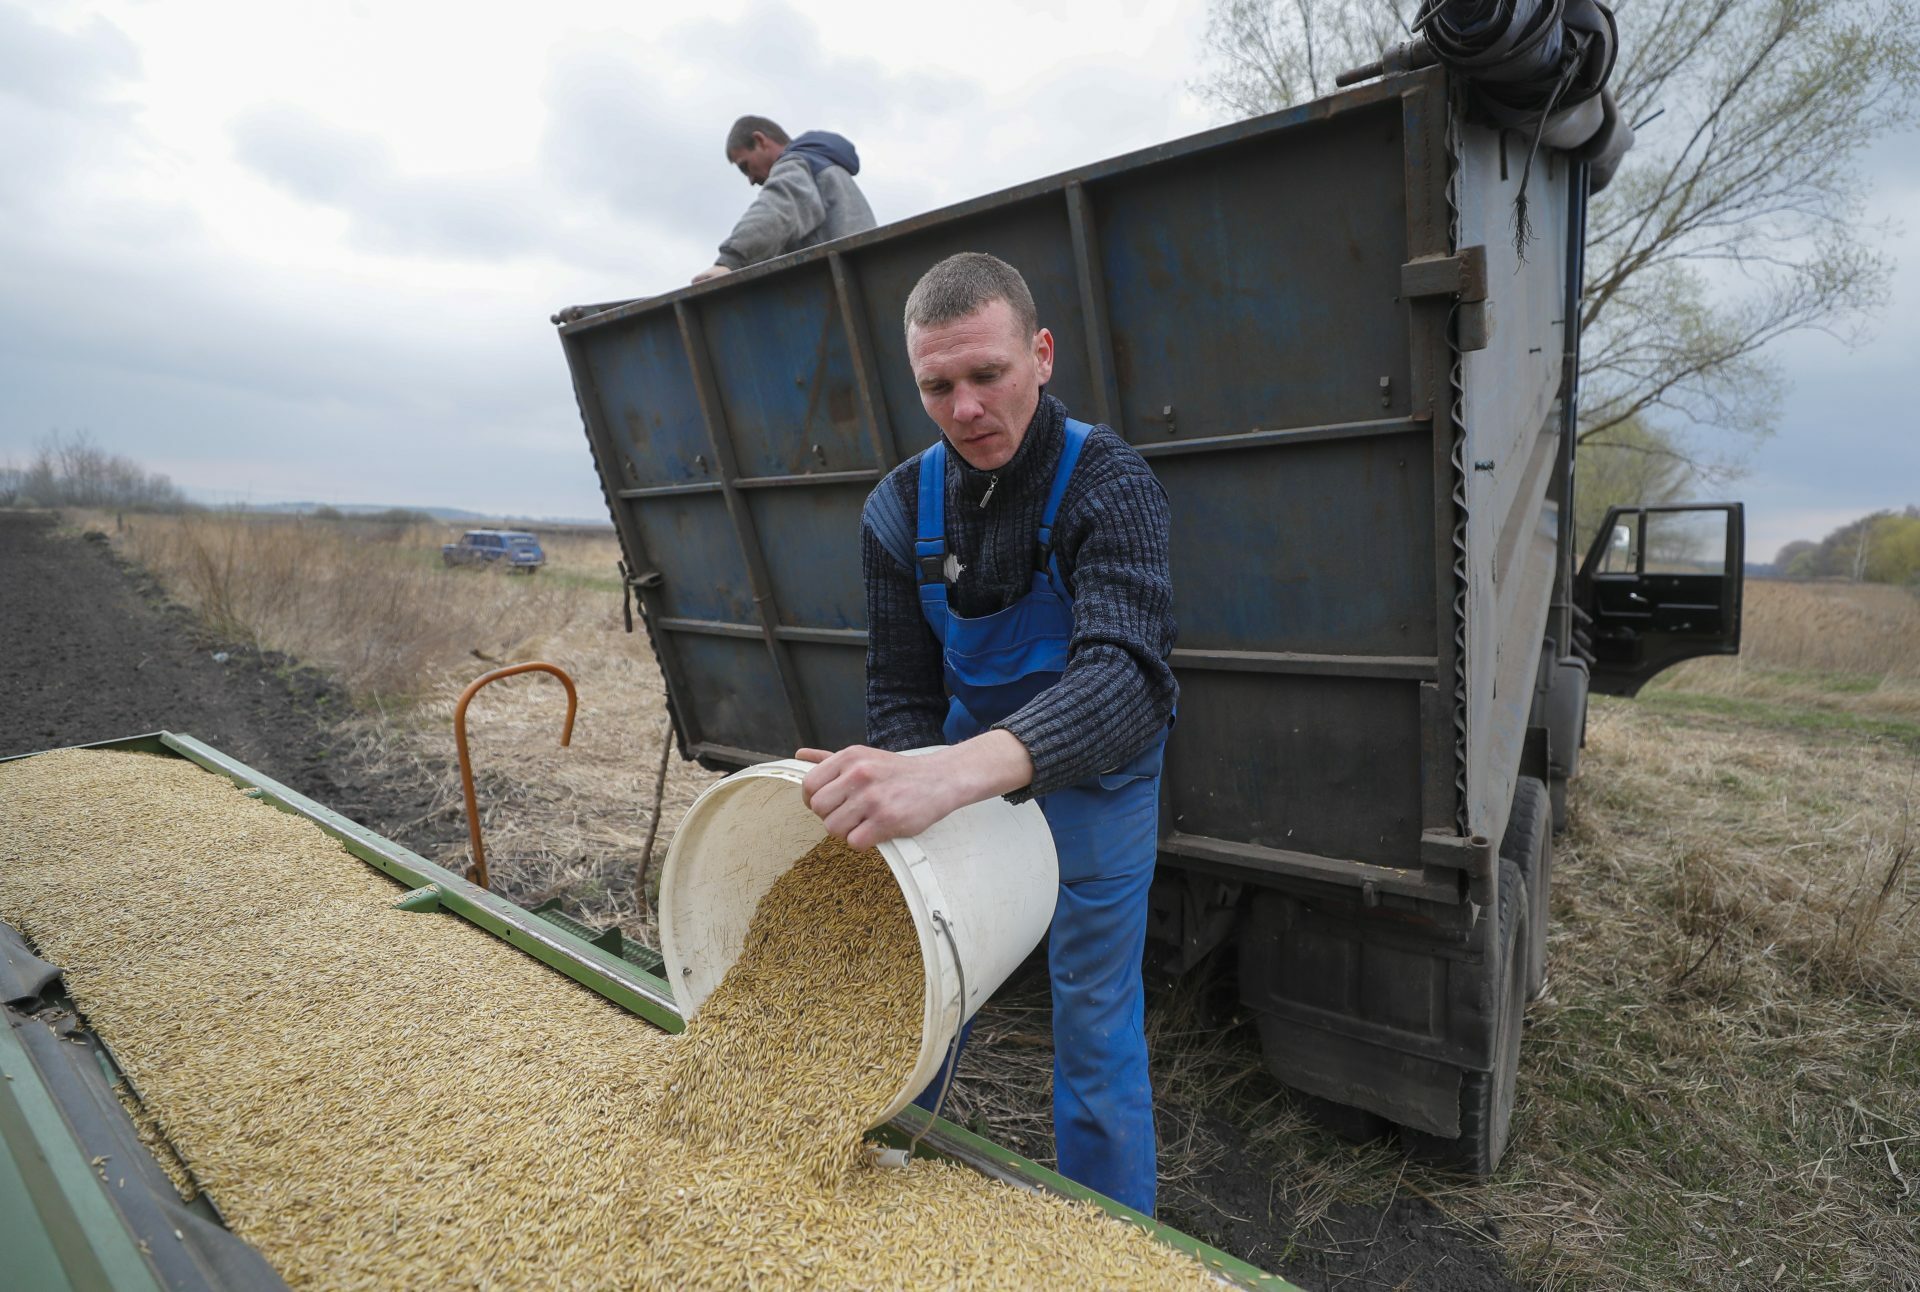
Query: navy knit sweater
1117, 692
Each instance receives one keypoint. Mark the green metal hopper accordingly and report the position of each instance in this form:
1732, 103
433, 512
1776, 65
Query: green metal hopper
64, 1226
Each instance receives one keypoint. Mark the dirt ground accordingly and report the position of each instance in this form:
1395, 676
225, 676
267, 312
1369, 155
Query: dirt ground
93, 652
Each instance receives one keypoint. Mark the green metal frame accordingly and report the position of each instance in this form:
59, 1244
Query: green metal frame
71, 1207
57, 1229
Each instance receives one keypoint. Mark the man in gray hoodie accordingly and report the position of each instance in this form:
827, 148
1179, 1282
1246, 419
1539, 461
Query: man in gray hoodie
807, 194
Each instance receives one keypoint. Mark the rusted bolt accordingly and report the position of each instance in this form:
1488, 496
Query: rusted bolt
1386, 391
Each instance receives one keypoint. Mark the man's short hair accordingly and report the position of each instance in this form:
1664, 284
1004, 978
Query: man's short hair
961, 284
740, 138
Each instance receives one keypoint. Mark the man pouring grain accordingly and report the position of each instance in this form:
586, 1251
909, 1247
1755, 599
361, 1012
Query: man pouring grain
1020, 613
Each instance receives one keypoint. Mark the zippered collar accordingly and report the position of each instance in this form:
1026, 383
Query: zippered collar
1028, 472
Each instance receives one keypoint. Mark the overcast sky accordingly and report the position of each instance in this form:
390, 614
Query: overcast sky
308, 251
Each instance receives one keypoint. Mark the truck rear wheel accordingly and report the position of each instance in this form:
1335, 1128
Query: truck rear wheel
1486, 1098
1529, 845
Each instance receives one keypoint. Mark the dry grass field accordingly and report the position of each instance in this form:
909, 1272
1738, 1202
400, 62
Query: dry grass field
1720, 1089
1833, 648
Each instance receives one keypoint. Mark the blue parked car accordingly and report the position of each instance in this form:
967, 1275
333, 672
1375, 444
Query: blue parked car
509, 547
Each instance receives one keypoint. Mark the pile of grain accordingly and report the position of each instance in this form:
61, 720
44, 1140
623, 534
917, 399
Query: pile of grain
381, 1099
803, 1044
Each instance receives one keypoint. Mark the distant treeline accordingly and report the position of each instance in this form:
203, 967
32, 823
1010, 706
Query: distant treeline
1881, 548
73, 471
389, 516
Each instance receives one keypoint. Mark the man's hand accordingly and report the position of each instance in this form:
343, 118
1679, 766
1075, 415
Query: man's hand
711, 271
867, 796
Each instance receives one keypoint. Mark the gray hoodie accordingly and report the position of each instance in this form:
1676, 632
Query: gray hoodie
809, 198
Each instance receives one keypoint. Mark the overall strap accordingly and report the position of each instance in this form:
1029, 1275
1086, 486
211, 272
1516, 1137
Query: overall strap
1076, 440
930, 543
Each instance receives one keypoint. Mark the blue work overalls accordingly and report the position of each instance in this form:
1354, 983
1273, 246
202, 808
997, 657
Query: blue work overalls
1105, 830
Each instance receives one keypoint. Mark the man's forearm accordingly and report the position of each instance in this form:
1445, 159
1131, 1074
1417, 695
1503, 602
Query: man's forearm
867, 796
988, 765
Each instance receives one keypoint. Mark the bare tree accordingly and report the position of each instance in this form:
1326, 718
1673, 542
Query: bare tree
1630, 464
70, 470
1269, 54
1737, 218
1860, 550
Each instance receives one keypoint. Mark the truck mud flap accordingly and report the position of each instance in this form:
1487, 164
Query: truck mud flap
1380, 1009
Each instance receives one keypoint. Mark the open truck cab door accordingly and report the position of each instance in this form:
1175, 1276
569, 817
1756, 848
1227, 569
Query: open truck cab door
1661, 584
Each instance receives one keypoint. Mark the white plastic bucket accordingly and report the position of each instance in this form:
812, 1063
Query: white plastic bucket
989, 870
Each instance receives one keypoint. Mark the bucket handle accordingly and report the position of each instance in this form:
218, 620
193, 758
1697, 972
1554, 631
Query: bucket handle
953, 1047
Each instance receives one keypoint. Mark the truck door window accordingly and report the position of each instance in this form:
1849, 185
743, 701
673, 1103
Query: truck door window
1686, 542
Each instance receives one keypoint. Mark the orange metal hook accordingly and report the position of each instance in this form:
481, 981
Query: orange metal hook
478, 871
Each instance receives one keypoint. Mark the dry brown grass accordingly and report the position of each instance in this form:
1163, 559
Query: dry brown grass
1839, 647
1720, 1089
1860, 628
370, 603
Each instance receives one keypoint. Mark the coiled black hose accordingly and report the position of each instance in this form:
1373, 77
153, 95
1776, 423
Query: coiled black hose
1529, 63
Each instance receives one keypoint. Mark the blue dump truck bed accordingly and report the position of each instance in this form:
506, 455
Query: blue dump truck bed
1240, 306
1358, 391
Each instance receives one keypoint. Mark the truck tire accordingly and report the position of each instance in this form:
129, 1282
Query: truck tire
1529, 845
1486, 1098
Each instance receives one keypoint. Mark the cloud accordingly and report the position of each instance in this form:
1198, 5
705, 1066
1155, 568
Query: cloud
628, 180
414, 362
60, 102
1843, 449
63, 71
460, 217
639, 129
